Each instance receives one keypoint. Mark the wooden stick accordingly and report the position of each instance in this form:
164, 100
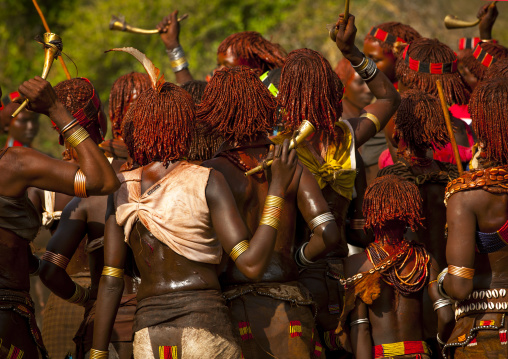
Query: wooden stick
48, 30
444, 106
346, 11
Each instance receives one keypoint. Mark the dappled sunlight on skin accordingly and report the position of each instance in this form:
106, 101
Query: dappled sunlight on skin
385, 60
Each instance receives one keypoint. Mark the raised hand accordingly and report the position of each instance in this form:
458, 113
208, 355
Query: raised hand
488, 15
283, 167
41, 95
345, 39
169, 29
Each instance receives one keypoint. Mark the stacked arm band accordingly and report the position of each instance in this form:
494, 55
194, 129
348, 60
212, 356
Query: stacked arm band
272, 211
77, 137
319, 220
359, 321
239, 249
177, 58
374, 119
112, 272
367, 69
80, 296
98, 354
56, 259
440, 303
80, 184
463, 272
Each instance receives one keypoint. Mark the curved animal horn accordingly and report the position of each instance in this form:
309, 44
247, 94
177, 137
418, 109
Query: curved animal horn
119, 24
451, 22
153, 72
52, 49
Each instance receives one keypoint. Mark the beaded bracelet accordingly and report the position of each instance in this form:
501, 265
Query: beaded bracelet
238, 249
112, 272
57, 259
80, 184
98, 354
77, 137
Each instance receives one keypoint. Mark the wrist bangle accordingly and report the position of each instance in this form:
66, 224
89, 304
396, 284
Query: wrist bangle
80, 296
112, 272
368, 71
439, 340
440, 303
98, 354
374, 119
57, 259
362, 64
68, 126
300, 258
440, 279
238, 249
77, 137
359, 321
462, 272
177, 58
80, 184
272, 211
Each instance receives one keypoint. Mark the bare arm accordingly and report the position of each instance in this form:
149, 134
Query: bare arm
169, 29
361, 339
311, 203
387, 96
110, 288
71, 230
460, 247
446, 320
229, 225
488, 14
37, 170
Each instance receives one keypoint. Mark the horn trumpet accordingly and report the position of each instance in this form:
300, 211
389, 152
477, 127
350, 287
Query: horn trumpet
52, 49
305, 130
451, 22
119, 24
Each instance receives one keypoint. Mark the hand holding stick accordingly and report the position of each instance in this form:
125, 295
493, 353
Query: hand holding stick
119, 24
449, 127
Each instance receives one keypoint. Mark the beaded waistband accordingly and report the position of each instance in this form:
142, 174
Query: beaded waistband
483, 301
400, 348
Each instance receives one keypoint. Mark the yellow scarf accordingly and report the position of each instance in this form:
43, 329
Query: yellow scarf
339, 169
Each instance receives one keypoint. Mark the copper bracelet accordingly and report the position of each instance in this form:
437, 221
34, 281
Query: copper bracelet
463, 272
112, 272
57, 259
80, 184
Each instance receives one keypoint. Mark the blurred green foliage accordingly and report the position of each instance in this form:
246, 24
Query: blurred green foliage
83, 26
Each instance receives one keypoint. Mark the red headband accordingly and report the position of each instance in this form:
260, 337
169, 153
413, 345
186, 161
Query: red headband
429, 67
483, 56
384, 36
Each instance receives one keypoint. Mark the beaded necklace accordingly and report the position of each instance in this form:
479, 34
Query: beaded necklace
409, 283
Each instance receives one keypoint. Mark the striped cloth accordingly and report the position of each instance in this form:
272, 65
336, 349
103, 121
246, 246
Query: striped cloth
400, 348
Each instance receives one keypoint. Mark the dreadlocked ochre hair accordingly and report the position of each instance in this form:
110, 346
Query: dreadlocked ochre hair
391, 198
74, 94
196, 89
124, 93
203, 146
254, 51
236, 105
405, 32
160, 125
456, 90
488, 108
477, 69
310, 90
498, 69
420, 121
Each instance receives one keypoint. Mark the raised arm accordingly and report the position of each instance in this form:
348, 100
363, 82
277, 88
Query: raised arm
488, 13
38, 170
111, 285
254, 254
169, 29
326, 235
460, 247
60, 249
387, 96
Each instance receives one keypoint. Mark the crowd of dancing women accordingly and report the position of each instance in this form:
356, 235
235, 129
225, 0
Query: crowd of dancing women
281, 209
